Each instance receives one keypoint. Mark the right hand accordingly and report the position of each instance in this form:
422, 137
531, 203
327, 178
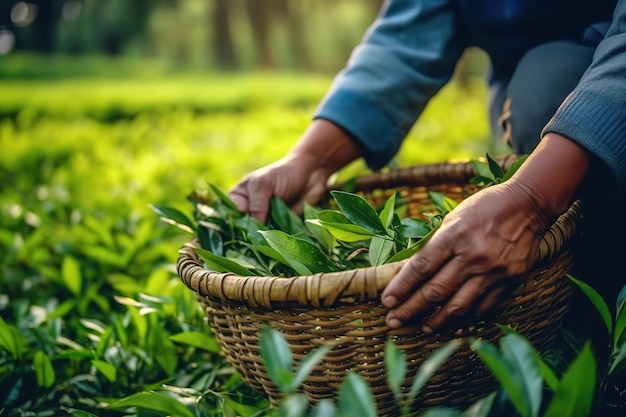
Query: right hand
294, 179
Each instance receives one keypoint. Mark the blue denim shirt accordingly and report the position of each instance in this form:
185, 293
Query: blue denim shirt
411, 50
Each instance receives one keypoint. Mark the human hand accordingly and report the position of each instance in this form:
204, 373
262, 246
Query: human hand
301, 175
481, 249
294, 179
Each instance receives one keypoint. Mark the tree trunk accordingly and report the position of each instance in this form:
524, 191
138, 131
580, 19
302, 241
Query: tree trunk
259, 16
223, 46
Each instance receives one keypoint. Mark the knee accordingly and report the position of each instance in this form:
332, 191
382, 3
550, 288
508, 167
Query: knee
542, 80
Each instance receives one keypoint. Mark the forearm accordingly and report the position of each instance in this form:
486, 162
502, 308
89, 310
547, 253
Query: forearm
327, 146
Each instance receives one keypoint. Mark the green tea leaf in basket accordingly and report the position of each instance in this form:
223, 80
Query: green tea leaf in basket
575, 393
321, 234
413, 228
359, 211
284, 218
303, 256
222, 264
513, 169
223, 197
495, 168
346, 232
379, 250
174, 217
386, 214
483, 171
411, 250
277, 358
211, 240
395, 365
355, 397
444, 203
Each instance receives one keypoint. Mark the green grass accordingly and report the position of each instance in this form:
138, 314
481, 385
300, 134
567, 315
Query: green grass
82, 257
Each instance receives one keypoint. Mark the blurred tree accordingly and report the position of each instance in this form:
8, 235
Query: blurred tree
223, 46
32, 23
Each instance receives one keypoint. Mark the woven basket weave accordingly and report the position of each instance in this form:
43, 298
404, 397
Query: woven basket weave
344, 307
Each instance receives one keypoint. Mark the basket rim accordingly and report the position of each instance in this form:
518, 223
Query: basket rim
361, 284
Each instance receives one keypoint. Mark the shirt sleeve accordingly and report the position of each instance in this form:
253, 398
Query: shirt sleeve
594, 114
406, 56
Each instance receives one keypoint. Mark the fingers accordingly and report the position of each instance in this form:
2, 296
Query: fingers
419, 268
251, 198
459, 305
434, 292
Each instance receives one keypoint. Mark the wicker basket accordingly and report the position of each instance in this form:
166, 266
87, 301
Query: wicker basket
344, 307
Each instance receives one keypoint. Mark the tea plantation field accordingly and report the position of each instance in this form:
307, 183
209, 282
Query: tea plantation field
94, 320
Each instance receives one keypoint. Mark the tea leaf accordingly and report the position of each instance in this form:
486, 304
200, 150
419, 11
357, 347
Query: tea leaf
495, 168
211, 240
174, 217
411, 250
277, 358
294, 405
321, 234
483, 171
239, 409
324, 408
359, 211
379, 250
221, 264
355, 397
43, 370
597, 300
108, 370
344, 231
444, 204
386, 214
154, 401
499, 366
574, 395
395, 365
285, 218
72, 277
223, 197
513, 169
307, 364
412, 228
9, 339
304, 257
519, 354
620, 314
430, 367
198, 340
617, 362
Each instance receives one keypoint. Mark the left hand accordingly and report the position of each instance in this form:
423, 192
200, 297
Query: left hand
482, 248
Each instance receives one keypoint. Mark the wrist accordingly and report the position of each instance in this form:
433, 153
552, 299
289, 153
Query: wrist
551, 176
